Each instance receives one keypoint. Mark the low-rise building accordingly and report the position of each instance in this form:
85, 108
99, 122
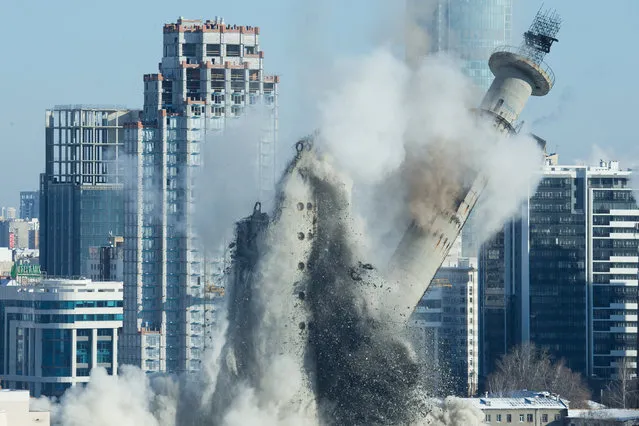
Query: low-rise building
603, 417
52, 333
538, 409
15, 411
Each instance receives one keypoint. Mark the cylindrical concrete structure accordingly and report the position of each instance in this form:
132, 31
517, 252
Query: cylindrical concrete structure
516, 79
423, 249
508, 97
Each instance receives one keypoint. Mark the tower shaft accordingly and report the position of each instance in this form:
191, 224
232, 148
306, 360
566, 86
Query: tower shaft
519, 73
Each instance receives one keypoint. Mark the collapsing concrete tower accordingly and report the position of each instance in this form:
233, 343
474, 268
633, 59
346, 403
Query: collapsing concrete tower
519, 73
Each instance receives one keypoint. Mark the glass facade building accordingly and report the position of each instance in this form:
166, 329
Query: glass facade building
54, 332
569, 280
556, 280
81, 190
210, 74
470, 30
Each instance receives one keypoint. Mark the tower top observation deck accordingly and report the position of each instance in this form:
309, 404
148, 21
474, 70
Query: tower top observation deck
521, 72
528, 58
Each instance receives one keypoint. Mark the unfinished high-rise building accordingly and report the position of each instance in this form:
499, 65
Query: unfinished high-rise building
210, 74
81, 190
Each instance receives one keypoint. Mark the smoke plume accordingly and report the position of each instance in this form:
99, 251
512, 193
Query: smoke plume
229, 182
412, 143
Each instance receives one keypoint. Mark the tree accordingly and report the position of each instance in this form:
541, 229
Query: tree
528, 367
621, 392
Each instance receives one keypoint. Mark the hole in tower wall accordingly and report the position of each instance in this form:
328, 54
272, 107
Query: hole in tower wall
301, 266
300, 206
300, 235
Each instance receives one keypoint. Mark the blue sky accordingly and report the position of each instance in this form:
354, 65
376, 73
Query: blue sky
76, 51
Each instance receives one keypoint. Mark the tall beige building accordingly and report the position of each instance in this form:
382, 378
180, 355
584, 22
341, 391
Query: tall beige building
210, 74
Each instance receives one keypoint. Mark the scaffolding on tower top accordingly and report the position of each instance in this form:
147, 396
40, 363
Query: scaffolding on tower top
541, 35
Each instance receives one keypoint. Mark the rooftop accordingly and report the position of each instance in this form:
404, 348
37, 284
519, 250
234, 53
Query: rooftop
605, 414
604, 168
199, 25
13, 395
91, 107
534, 400
83, 286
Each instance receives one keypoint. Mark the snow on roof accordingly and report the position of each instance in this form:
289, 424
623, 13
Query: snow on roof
535, 400
607, 413
595, 405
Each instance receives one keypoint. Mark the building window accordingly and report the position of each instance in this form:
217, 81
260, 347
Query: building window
213, 49
544, 418
521, 418
557, 416
105, 355
56, 353
487, 417
529, 418
189, 49
498, 418
233, 50
509, 418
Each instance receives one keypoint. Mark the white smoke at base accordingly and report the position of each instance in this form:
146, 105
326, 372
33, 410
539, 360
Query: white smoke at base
455, 412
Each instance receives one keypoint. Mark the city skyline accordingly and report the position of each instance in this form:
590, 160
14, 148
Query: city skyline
576, 100
360, 286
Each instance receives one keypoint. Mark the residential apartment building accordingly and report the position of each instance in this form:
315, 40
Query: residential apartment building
564, 274
538, 409
445, 328
55, 331
81, 190
210, 74
29, 205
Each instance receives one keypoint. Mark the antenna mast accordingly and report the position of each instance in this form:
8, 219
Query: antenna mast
541, 35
